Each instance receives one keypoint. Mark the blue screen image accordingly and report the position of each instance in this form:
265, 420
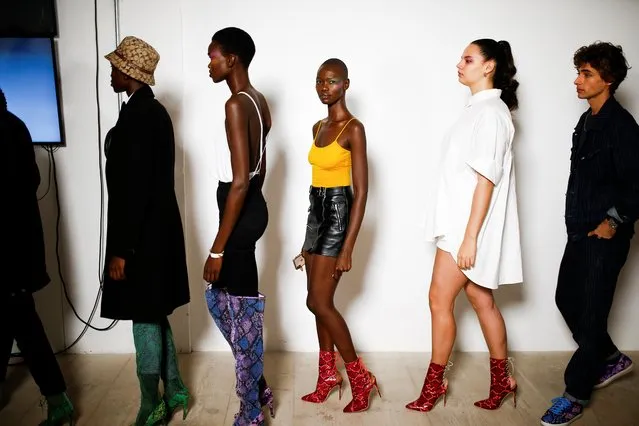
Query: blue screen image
28, 80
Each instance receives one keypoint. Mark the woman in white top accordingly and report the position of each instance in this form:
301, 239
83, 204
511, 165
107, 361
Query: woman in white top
232, 294
475, 222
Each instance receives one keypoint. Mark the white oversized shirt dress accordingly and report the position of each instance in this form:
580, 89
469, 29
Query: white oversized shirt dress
480, 142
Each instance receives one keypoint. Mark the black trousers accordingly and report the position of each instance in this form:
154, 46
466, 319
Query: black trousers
19, 321
585, 291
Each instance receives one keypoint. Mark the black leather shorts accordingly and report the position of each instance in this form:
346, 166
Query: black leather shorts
328, 217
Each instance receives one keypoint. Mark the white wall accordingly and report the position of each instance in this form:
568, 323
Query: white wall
404, 88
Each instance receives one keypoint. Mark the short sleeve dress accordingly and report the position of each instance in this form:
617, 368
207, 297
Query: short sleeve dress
480, 142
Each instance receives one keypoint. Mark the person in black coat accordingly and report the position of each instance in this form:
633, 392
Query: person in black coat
145, 275
24, 269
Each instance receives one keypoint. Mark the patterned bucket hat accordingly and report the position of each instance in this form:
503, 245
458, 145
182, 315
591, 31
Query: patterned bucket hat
135, 58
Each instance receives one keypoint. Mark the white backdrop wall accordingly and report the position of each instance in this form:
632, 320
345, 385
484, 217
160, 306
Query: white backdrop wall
401, 57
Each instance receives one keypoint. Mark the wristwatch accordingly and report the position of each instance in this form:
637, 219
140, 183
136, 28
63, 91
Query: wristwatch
613, 223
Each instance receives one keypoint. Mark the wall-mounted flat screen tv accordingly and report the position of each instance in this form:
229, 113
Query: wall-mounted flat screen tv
29, 80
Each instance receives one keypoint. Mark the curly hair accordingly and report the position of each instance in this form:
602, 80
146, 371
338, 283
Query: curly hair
607, 59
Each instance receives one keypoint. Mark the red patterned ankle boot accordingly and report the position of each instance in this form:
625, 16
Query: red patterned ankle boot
434, 387
502, 384
362, 384
327, 378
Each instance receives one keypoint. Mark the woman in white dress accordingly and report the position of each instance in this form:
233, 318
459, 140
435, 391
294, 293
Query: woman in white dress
475, 222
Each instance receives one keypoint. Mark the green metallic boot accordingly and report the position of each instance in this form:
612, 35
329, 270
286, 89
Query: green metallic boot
60, 411
176, 394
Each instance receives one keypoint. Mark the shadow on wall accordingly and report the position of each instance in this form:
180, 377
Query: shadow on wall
272, 245
272, 241
180, 318
49, 301
353, 283
627, 290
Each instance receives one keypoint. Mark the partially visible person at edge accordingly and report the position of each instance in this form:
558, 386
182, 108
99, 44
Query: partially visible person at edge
145, 270
475, 223
335, 216
24, 270
602, 206
230, 269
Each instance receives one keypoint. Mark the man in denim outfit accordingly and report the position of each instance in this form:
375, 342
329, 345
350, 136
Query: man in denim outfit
602, 205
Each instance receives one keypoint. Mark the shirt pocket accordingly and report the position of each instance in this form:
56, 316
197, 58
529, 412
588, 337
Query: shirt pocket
597, 165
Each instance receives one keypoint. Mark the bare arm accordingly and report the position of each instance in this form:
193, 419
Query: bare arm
481, 201
237, 135
359, 159
357, 143
485, 157
314, 133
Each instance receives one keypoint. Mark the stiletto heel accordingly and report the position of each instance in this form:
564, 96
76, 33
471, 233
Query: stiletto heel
266, 397
435, 386
341, 390
180, 399
501, 385
377, 388
328, 378
362, 384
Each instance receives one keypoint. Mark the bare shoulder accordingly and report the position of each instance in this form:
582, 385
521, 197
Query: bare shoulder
317, 125
356, 129
233, 104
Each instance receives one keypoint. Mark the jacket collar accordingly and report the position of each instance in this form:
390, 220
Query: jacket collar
600, 120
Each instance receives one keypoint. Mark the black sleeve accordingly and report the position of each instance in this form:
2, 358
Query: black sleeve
134, 186
21, 176
626, 161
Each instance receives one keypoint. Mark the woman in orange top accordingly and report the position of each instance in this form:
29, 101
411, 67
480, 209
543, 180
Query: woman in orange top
334, 219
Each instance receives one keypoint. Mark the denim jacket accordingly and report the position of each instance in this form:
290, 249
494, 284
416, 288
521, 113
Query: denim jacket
604, 172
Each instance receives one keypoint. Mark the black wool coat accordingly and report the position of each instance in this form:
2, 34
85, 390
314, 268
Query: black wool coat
143, 220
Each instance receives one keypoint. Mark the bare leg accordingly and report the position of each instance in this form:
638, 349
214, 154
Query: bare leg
323, 335
331, 327
490, 319
446, 283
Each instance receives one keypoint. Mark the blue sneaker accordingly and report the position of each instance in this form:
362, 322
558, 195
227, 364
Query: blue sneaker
616, 369
563, 412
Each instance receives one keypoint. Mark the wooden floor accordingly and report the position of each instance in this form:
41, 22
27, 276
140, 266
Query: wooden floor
104, 390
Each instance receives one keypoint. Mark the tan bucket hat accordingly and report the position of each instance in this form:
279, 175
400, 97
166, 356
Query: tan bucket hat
135, 58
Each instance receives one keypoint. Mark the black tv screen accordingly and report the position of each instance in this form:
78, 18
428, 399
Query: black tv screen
29, 80
28, 18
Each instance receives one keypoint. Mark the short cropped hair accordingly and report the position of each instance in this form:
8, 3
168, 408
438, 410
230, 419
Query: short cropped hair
235, 41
